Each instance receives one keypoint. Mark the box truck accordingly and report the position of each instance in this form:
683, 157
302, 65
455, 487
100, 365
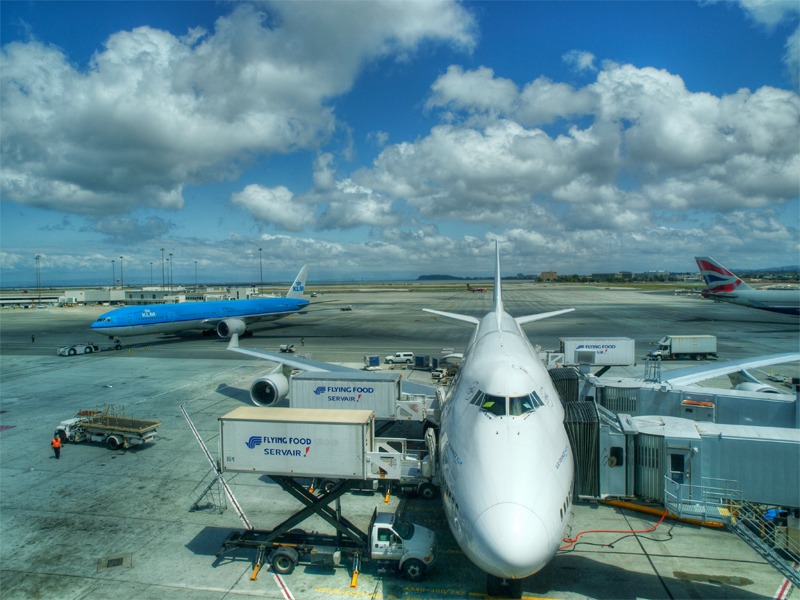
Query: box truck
685, 347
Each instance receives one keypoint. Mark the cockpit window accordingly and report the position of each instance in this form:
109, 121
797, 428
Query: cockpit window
104, 320
476, 399
536, 400
520, 405
495, 405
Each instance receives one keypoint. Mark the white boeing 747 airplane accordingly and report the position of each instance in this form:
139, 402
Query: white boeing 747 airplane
505, 458
724, 286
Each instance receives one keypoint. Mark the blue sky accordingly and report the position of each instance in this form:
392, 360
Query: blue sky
389, 140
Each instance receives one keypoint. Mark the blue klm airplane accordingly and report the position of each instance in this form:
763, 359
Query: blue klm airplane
226, 317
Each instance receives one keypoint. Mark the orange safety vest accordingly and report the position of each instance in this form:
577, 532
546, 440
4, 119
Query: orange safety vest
56, 443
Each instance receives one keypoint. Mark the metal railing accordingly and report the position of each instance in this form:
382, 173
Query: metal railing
719, 501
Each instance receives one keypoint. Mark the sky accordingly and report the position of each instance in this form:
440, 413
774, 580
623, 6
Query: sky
387, 140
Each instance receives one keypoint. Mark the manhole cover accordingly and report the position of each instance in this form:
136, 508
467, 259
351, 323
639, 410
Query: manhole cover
114, 562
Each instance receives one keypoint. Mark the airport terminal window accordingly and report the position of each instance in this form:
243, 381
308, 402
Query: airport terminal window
520, 405
495, 405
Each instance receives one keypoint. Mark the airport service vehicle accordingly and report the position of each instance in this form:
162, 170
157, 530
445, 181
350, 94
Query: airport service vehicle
439, 374
372, 361
102, 426
610, 351
401, 357
695, 347
422, 363
724, 286
389, 540
346, 308
287, 348
287, 444
313, 294
226, 317
379, 392
78, 349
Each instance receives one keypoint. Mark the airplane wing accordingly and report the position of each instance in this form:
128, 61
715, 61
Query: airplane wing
540, 316
305, 364
696, 374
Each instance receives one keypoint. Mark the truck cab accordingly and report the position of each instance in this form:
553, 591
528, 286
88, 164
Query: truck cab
393, 539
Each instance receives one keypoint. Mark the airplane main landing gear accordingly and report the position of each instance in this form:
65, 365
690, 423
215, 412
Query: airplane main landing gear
497, 587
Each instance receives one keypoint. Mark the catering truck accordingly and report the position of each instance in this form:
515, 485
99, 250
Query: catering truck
288, 444
379, 392
104, 426
605, 351
685, 347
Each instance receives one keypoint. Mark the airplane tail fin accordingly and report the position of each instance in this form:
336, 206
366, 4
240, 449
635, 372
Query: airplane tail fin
718, 278
296, 291
498, 292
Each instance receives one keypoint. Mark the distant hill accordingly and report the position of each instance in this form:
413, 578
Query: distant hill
791, 269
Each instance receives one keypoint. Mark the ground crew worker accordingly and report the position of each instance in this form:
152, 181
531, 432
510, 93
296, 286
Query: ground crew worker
303, 341
33, 338
56, 444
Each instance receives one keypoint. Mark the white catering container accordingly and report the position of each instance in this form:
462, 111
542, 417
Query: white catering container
297, 442
599, 351
378, 392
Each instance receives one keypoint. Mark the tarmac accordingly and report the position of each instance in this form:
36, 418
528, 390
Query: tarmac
116, 524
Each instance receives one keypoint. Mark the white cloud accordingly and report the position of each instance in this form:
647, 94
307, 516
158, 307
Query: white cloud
772, 12
275, 206
676, 149
580, 60
155, 111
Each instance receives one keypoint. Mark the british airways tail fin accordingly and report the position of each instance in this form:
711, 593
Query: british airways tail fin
296, 291
718, 278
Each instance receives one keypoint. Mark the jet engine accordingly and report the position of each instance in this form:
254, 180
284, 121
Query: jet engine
748, 386
227, 327
269, 390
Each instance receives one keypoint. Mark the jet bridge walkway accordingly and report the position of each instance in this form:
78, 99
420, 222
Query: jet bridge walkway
717, 501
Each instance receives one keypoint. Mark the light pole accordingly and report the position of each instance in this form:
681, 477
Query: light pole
261, 269
169, 285
162, 269
151, 272
195, 273
113, 274
121, 276
171, 281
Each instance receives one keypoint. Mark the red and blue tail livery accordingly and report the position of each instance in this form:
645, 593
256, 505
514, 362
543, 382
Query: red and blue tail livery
724, 286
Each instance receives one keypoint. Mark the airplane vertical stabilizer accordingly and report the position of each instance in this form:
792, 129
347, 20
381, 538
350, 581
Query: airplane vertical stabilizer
498, 293
717, 277
296, 291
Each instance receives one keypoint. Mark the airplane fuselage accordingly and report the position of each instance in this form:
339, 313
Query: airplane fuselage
171, 318
786, 302
507, 470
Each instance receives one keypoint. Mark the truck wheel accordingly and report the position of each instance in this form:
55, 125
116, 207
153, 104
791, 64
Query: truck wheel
118, 347
697, 357
72, 352
427, 491
391, 362
413, 569
408, 361
62, 436
113, 442
87, 350
283, 562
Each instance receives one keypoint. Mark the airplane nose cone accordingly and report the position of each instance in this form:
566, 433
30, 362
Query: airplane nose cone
513, 540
